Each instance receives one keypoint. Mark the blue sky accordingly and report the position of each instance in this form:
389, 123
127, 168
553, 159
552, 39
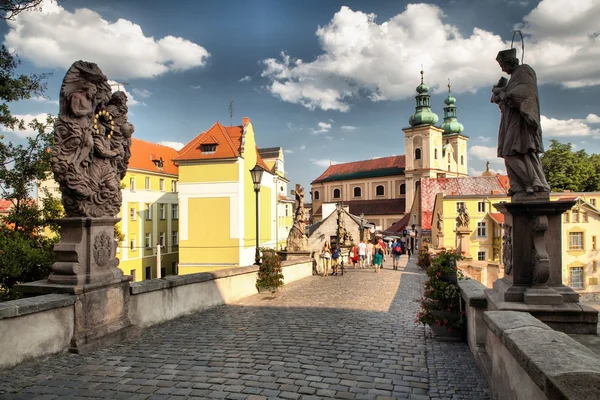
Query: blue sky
353, 91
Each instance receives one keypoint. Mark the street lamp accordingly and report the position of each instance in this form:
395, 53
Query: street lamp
338, 207
256, 174
362, 226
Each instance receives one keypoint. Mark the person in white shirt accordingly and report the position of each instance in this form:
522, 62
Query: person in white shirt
362, 253
369, 254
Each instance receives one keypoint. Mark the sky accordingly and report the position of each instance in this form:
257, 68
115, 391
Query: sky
328, 81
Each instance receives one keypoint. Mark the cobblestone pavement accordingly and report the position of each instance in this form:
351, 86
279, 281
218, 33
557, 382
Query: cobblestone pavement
350, 337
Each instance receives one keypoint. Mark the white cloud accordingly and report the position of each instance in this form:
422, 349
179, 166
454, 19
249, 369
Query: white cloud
143, 93
247, 78
294, 127
485, 154
323, 162
27, 118
175, 145
288, 151
477, 172
42, 99
553, 127
302, 147
131, 101
381, 61
324, 127
195, 87
592, 119
55, 37
348, 127
483, 139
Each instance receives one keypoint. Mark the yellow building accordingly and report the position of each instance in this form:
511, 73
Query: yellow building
149, 213
580, 235
217, 198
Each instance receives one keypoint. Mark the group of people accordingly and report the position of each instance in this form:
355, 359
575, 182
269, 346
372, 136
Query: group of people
364, 255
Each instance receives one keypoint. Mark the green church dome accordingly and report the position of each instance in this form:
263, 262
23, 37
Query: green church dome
423, 114
451, 124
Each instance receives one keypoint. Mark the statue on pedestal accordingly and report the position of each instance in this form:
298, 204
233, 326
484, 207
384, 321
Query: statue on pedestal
297, 240
462, 219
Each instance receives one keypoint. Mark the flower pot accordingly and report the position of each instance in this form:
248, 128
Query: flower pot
441, 333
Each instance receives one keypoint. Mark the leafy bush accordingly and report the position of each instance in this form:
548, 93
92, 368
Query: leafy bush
270, 272
424, 259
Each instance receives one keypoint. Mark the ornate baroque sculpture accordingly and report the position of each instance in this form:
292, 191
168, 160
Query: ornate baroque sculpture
92, 140
462, 219
297, 240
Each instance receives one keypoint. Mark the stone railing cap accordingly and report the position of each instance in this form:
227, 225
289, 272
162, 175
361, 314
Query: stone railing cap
30, 305
472, 293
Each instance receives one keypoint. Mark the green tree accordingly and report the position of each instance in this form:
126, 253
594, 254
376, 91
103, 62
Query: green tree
25, 243
569, 170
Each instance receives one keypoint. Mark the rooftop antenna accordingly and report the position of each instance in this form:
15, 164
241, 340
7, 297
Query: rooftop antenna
231, 113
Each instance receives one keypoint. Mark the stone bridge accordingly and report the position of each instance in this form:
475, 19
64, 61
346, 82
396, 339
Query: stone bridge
350, 337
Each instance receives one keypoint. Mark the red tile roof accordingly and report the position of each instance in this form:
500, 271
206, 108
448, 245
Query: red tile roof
398, 226
470, 185
384, 163
142, 154
5, 206
568, 198
498, 217
372, 207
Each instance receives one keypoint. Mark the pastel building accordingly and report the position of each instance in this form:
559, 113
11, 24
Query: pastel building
217, 198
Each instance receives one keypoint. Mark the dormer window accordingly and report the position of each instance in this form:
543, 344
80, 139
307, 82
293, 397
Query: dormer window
208, 148
158, 161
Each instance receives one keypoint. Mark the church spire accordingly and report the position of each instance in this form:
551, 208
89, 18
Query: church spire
450, 124
423, 114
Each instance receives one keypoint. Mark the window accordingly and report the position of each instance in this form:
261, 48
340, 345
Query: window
417, 154
357, 192
173, 186
337, 193
481, 229
132, 273
448, 168
174, 211
132, 214
132, 184
584, 217
175, 238
174, 267
594, 266
481, 255
161, 239
566, 217
576, 277
161, 185
148, 241
435, 154
379, 190
316, 195
459, 205
208, 148
148, 211
575, 240
286, 211
132, 244
593, 202
403, 189
575, 215
462, 160
148, 272
147, 183
163, 213
594, 242
481, 206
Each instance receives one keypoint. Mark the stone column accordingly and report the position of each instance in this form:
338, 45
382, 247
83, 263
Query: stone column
440, 240
463, 241
532, 258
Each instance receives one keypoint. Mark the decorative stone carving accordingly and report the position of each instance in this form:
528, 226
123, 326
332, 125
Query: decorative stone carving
92, 139
541, 263
103, 246
507, 249
440, 222
297, 240
462, 219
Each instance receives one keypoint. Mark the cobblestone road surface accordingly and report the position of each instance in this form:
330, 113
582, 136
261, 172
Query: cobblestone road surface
350, 337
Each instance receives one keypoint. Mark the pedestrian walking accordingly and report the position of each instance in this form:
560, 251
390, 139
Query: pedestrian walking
369, 254
409, 248
362, 253
326, 258
335, 260
378, 256
396, 253
353, 257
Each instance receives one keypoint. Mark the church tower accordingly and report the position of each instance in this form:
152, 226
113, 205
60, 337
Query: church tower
423, 144
455, 143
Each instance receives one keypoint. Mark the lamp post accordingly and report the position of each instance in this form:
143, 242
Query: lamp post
338, 207
256, 174
362, 227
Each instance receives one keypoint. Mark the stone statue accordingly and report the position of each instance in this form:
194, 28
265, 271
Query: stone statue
463, 219
297, 240
92, 139
520, 133
440, 222
507, 249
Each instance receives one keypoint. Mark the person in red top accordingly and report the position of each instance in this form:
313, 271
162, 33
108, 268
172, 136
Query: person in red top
353, 255
383, 246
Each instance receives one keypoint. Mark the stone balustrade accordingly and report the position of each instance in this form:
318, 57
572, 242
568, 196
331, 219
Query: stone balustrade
523, 358
43, 325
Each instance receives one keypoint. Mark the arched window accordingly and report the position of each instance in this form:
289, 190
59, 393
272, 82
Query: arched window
403, 189
462, 160
379, 190
316, 195
435, 153
357, 192
337, 193
417, 154
417, 185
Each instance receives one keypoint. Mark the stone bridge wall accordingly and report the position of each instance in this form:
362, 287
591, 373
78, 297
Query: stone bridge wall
523, 358
43, 325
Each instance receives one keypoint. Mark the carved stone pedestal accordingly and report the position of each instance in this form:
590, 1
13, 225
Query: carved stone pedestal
293, 255
86, 267
440, 240
463, 241
533, 268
